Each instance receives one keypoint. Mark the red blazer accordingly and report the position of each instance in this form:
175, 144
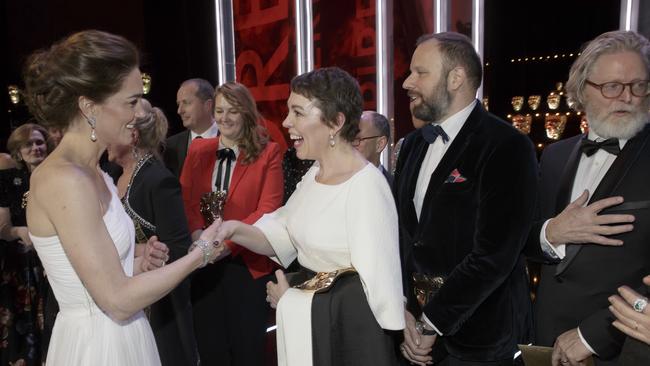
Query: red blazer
255, 189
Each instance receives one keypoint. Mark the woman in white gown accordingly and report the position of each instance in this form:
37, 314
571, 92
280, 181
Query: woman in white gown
341, 216
89, 85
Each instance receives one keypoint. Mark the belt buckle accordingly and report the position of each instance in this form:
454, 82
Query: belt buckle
425, 286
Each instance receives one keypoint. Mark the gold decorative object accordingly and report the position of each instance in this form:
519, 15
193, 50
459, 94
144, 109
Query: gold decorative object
323, 281
559, 85
425, 286
211, 206
554, 126
517, 102
486, 103
553, 100
522, 123
584, 124
14, 94
146, 83
533, 101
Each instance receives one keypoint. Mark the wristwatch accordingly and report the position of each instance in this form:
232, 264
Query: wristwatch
422, 329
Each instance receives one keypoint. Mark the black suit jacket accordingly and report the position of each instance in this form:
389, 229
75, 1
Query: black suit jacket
472, 233
155, 196
573, 292
175, 152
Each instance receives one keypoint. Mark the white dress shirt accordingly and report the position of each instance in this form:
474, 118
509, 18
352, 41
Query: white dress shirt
436, 151
211, 132
224, 171
591, 170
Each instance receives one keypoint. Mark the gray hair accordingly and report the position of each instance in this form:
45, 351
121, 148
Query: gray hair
606, 43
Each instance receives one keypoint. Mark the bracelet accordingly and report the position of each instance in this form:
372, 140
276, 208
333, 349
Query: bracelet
207, 248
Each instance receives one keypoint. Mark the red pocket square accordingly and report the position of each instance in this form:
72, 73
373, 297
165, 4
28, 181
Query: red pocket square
455, 177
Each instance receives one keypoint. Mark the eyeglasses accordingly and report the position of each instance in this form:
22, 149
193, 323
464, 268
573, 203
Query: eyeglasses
357, 141
614, 89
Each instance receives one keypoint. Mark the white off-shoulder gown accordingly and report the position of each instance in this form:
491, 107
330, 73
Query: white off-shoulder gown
83, 334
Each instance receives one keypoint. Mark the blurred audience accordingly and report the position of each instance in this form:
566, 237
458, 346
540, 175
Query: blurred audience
23, 286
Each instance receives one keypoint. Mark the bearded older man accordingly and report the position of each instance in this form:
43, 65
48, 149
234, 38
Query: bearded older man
593, 231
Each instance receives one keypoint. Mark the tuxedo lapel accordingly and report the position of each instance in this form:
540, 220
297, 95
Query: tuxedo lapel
620, 167
410, 173
452, 155
568, 176
612, 179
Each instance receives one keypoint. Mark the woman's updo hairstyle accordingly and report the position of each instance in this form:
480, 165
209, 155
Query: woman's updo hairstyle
91, 63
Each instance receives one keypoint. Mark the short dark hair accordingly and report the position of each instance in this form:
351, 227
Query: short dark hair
380, 122
204, 90
91, 63
457, 50
332, 90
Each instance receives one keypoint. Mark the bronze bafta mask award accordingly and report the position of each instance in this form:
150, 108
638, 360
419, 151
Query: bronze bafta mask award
584, 124
146, 83
14, 94
553, 100
554, 126
211, 206
522, 123
517, 102
533, 101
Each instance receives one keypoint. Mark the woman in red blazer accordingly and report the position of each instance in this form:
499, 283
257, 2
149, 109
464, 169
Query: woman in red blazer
230, 311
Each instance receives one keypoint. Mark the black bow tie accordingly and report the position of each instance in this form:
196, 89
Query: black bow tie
228, 156
226, 153
430, 132
590, 147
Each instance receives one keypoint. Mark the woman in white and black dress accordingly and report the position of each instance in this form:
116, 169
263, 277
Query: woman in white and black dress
89, 85
341, 216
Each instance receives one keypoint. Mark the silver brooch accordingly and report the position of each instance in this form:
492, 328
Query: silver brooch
18, 181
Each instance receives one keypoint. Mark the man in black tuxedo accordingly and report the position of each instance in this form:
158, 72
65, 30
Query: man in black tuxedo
195, 100
592, 232
464, 186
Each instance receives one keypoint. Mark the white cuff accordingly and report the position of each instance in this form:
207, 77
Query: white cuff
426, 320
585, 343
558, 251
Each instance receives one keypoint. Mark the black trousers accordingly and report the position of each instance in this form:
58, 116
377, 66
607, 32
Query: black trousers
230, 314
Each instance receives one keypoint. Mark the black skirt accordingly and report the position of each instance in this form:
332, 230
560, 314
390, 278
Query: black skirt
344, 329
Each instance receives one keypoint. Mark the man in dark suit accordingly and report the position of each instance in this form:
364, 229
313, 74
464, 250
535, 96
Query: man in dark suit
373, 136
592, 231
464, 185
195, 100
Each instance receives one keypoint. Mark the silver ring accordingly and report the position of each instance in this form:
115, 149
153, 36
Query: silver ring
640, 304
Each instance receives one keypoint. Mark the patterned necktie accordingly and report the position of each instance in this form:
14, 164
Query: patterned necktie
226, 156
590, 147
431, 131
